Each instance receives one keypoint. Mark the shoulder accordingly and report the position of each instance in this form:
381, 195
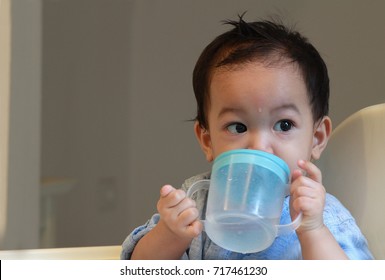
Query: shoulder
335, 212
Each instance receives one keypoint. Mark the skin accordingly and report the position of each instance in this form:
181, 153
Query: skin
263, 108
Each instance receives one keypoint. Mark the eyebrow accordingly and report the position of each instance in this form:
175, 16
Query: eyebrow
229, 110
288, 106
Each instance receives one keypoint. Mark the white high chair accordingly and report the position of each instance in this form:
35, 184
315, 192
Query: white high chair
353, 168
77, 253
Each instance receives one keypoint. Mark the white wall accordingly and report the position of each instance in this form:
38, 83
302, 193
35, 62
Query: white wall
85, 125
23, 174
116, 87
5, 66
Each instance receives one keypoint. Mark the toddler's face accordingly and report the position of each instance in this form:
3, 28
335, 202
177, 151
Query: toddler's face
261, 108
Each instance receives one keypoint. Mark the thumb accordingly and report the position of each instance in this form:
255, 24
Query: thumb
165, 190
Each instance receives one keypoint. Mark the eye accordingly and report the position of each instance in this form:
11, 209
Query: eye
237, 128
283, 125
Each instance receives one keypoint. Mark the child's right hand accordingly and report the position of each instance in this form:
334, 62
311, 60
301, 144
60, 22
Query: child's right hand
178, 213
177, 226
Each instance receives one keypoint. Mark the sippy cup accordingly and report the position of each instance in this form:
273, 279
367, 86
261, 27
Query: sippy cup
245, 199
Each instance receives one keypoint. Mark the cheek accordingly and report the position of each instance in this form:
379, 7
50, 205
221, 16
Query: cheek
220, 145
292, 158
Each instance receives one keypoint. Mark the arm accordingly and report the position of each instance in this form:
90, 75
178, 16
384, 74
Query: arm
308, 197
177, 226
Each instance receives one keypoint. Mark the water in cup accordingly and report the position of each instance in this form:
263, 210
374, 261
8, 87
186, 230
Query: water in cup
241, 233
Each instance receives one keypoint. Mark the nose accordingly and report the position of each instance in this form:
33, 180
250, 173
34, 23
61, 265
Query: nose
260, 141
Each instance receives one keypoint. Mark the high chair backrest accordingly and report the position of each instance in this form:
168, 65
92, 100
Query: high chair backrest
353, 168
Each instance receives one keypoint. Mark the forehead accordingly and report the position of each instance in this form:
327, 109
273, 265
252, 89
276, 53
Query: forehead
257, 84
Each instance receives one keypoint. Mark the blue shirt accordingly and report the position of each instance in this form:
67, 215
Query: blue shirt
285, 247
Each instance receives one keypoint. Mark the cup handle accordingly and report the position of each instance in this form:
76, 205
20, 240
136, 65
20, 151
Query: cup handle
284, 229
201, 184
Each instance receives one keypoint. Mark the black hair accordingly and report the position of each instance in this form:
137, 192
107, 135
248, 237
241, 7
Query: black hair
263, 41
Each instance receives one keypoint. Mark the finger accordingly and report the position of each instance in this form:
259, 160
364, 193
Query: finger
182, 206
305, 186
172, 198
180, 217
303, 204
188, 216
165, 190
194, 229
311, 170
304, 191
296, 174
308, 206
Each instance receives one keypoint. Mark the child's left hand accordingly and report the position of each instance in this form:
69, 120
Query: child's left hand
307, 196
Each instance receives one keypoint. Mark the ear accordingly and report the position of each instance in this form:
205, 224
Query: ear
204, 140
321, 136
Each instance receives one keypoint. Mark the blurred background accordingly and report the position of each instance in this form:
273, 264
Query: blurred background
96, 103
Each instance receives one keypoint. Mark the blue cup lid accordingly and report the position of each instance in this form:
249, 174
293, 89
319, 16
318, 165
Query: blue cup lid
259, 158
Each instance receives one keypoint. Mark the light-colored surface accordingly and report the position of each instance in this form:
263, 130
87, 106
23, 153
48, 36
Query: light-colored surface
353, 168
51, 188
5, 50
23, 132
78, 253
